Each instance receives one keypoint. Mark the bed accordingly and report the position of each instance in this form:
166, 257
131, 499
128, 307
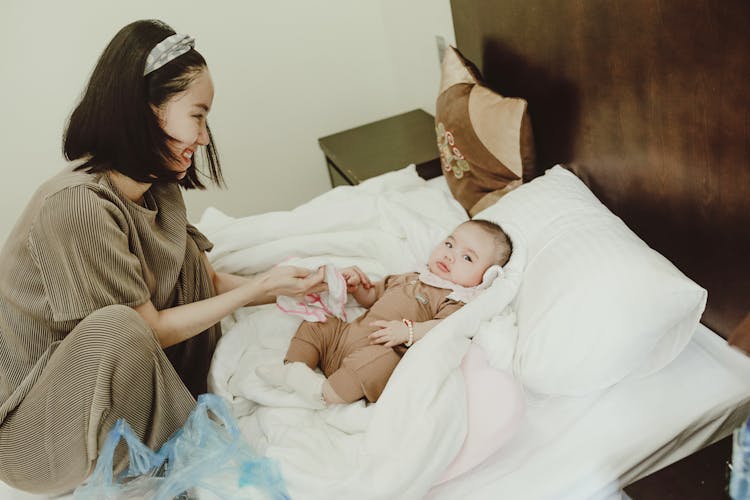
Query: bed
642, 104
584, 446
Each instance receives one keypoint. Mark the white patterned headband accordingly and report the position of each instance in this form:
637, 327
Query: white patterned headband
167, 50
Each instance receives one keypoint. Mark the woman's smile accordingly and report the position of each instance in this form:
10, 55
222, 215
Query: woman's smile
187, 157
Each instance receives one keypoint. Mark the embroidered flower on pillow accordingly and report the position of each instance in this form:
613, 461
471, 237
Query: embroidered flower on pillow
450, 155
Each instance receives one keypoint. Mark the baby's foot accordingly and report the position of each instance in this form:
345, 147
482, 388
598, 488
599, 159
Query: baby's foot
298, 378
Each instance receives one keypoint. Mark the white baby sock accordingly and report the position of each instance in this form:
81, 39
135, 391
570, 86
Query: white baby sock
296, 377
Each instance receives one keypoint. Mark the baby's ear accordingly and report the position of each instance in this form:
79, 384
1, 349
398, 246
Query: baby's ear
492, 273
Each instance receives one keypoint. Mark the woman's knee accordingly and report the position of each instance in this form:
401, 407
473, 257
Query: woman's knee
115, 328
102, 365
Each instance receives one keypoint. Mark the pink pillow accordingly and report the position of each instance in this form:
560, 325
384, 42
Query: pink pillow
495, 406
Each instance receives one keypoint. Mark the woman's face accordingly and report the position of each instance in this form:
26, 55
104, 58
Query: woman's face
183, 118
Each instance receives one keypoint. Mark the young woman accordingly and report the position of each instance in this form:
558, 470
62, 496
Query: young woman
108, 305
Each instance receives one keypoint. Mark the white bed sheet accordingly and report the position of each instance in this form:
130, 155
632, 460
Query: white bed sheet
590, 447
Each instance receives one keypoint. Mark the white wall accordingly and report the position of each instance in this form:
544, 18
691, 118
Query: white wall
286, 73
410, 30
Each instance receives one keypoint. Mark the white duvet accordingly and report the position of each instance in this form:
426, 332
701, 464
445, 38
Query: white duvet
398, 447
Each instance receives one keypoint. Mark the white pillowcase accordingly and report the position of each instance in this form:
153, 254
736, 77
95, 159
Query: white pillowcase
596, 304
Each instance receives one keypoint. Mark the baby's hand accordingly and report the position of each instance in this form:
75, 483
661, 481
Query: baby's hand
391, 333
355, 278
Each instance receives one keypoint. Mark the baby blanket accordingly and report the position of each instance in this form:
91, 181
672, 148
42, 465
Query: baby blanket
398, 447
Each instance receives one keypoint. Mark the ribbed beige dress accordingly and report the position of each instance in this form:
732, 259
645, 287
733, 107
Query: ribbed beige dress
74, 356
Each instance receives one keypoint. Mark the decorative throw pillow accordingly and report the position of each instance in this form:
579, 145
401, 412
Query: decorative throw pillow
485, 139
596, 303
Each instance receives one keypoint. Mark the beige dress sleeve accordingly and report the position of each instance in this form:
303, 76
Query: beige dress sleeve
82, 246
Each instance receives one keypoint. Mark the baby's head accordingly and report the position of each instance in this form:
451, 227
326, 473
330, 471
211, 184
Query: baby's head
465, 255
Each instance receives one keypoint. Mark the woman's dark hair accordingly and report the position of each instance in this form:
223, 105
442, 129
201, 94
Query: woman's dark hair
114, 127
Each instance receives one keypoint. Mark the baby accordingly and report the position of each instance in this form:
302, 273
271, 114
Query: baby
358, 357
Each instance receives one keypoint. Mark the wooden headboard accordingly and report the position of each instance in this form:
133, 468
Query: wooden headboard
649, 103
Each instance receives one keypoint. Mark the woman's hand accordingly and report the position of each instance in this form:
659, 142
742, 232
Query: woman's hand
292, 281
175, 324
391, 333
355, 278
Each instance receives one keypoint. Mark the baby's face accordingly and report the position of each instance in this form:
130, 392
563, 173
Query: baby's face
464, 256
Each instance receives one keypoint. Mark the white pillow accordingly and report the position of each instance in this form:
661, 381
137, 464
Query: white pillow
596, 304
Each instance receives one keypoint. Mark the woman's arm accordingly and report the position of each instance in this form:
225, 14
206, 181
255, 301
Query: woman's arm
393, 333
225, 282
172, 326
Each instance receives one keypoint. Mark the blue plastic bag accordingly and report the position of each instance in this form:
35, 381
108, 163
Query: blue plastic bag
739, 481
207, 458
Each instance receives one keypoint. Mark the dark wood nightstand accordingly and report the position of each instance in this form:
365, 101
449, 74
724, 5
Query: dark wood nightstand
379, 147
704, 475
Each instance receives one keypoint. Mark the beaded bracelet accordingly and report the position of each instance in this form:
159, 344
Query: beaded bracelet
410, 325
